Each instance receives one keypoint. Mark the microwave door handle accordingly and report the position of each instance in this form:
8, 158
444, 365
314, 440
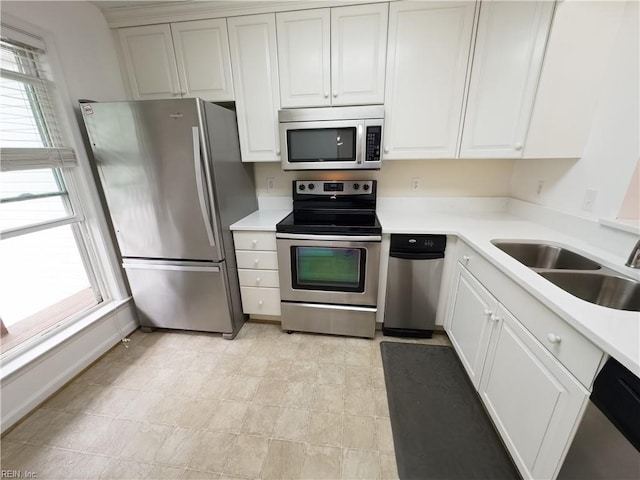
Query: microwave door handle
360, 143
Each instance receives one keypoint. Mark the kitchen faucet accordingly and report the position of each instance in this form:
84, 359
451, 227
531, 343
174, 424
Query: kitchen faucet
634, 257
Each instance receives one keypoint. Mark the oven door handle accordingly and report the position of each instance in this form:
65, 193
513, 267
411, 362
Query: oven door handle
337, 238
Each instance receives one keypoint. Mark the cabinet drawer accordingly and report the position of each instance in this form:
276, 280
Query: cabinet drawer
259, 278
264, 301
574, 351
257, 260
255, 241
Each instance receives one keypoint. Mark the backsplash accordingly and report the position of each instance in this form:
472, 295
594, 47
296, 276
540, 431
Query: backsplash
435, 178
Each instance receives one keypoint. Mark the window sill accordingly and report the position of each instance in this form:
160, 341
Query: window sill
15, 361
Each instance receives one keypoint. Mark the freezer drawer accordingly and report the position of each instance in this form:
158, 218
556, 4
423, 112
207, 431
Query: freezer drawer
181, 295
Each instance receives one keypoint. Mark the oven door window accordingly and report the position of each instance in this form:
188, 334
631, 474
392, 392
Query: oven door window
328, 268
322, 145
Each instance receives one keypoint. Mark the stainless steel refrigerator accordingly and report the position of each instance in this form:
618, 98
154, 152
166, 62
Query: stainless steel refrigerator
173, 182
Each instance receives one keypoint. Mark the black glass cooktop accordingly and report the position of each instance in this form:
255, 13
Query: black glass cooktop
328, 222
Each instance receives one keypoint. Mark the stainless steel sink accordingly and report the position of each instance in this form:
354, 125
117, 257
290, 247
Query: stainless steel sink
543, 256
606, 290
580, 276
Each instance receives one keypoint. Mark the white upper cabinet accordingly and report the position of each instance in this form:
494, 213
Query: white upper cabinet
576, 62
150, 62
507, 60
358, 54
184, 59
332, 56
428, 54
202, 55
252, 41
304, 57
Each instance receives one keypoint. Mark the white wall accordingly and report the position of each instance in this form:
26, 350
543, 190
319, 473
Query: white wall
84, 44
612, 151
438, 178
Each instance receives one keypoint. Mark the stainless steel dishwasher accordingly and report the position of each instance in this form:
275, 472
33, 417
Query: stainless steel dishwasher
413, 284
607, 442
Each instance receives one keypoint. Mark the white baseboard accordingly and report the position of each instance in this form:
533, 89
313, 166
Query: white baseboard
28, 387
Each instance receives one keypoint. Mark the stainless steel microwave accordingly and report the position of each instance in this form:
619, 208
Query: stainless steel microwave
335, 138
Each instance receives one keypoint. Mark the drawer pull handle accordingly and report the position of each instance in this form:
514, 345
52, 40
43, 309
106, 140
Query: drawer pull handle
487, 312
494, 318
256, 261
260, 302
258, 279
466, 258
254, 242
553, 338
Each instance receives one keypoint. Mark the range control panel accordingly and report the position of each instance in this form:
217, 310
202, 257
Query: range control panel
342, 187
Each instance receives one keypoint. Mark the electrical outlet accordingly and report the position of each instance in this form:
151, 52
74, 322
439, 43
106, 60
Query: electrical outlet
589, 199
415, 183
271, 184
540, 185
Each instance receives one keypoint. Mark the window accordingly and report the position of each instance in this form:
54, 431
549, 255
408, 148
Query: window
48, 273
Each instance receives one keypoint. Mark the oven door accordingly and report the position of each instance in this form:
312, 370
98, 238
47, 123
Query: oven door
322, 145
329, 269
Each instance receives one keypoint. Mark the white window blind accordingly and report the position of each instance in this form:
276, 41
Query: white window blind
33, 194
30, 135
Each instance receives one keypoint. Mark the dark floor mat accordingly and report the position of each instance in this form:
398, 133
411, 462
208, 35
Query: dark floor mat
440, 429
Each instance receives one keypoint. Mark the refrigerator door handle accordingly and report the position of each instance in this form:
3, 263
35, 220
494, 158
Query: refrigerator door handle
175, 268
200, 185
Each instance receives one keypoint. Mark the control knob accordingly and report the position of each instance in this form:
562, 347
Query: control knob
301, 187
356, 186
365, 187
311, 186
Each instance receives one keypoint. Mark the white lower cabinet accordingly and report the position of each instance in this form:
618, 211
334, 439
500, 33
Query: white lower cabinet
261, 301
473, 312
532, 399
535, 394
257, 261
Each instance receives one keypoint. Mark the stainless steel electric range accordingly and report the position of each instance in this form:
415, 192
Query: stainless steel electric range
329, 258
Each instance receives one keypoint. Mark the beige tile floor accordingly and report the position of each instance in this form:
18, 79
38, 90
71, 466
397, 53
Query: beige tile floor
194, 406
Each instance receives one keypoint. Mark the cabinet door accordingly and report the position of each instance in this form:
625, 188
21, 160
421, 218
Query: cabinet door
202, 54
533, 401
428, 54
358, 54
504, 76
471, 322
303, 58
150, 62
565, 109
252, 41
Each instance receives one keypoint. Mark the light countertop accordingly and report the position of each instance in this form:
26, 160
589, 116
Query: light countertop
261, 220
614, 331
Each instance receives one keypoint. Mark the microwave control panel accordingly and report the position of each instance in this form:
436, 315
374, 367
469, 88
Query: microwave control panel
374, 140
